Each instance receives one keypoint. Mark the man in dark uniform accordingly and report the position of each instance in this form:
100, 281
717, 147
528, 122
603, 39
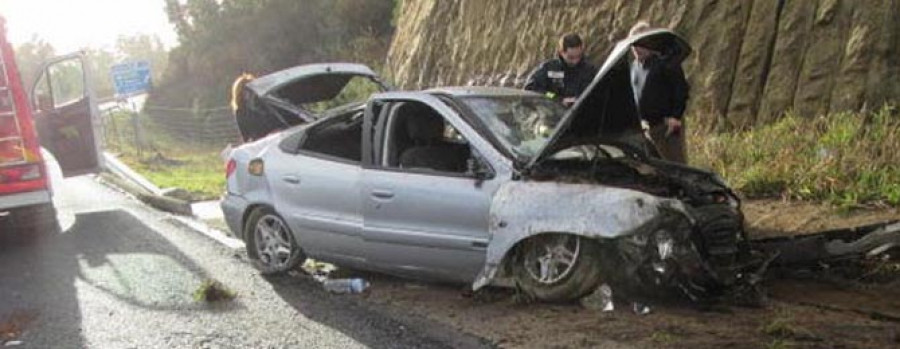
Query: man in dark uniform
565, 77
661, 93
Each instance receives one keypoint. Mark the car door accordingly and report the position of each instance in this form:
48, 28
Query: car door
419, 221
65, 115
316, 190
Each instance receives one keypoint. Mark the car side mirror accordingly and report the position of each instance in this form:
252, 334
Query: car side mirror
478, 169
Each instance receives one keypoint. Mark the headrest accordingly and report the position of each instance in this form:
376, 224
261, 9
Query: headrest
422, 124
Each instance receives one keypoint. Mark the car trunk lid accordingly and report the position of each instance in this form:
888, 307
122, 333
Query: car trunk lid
292, 92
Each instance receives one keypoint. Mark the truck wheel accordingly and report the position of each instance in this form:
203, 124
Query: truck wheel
557, 267
270, 243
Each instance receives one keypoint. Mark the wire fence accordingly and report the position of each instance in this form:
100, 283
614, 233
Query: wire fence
206, 128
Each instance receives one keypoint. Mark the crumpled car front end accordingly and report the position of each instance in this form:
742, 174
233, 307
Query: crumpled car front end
661, 228
700, 255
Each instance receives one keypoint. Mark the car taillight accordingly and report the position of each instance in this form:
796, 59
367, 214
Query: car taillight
11, 150
20, 173
230, 167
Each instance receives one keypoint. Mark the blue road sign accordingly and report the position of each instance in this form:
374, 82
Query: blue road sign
131, 78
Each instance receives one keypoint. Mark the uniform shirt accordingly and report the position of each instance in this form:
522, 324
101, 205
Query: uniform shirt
559, 80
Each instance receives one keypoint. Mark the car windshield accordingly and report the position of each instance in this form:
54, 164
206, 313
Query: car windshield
521, 123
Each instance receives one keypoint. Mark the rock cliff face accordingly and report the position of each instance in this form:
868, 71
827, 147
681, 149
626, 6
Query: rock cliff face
753, 60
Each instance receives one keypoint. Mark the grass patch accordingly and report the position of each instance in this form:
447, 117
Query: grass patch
779, 344
663, 338
213, 291
170, 163
779, 327
847, 159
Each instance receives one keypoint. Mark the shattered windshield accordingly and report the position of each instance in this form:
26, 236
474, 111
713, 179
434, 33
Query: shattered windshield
522, 124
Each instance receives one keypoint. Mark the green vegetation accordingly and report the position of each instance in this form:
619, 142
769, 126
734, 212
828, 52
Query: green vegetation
779, 327
213, 291
663, 338
221, 39
848, 159
165, 161
198, 171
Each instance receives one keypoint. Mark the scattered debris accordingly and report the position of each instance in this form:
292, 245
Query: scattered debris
213, 291
340, 286
641, 308
832, 245
601, 299
318, 270
14, 326
12, 343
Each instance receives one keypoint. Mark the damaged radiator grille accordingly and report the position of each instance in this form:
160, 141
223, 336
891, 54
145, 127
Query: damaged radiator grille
719, 228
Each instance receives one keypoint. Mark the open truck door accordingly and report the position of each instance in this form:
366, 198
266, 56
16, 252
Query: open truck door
66, 116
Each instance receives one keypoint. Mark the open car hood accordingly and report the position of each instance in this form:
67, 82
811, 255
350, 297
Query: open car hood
282, 98
609, 95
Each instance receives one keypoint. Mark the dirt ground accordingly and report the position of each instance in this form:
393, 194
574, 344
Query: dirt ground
811, 311
768, 218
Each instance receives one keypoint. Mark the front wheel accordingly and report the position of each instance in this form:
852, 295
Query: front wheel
557, 267
270, 243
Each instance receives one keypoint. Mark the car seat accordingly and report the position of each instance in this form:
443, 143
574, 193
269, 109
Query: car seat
429, 149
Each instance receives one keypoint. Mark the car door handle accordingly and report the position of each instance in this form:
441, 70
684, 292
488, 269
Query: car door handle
382, 194
291, 179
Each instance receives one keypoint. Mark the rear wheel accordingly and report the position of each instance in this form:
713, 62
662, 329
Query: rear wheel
270, 243
557, 267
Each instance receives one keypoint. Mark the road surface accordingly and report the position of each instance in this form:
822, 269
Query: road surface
122, 275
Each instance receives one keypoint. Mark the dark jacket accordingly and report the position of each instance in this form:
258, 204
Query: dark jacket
557, 77
665, 92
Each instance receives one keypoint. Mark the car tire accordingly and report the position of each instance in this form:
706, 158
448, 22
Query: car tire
580, 278
267, 236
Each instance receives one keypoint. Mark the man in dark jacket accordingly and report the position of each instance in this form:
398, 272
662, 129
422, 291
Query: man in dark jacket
661, 93
565, 77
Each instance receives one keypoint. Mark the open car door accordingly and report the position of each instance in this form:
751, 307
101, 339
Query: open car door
65, 114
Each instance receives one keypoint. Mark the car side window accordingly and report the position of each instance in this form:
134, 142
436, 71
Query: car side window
339, 137
418, 138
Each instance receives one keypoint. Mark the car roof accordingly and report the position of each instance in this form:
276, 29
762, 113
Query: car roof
490, 91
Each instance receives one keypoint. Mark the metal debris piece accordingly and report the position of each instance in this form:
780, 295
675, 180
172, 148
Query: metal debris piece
641, 309
606, 298
819, 248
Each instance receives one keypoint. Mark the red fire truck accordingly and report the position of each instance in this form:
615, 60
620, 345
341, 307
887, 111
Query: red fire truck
60, 117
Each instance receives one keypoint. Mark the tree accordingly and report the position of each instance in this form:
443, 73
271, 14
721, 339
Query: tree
30, 56
220, 39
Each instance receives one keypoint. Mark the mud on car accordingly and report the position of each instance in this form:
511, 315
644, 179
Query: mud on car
474, 184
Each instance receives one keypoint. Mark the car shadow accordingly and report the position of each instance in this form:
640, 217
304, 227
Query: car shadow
371, 325
112, 252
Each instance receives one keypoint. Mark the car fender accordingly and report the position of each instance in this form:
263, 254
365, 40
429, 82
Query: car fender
522, 209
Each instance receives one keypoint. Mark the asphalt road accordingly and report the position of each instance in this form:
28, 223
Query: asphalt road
122, 275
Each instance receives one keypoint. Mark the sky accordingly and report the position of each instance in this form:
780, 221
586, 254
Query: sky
70, 25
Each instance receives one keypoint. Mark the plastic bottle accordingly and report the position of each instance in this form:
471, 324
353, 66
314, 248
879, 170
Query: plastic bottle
339, 286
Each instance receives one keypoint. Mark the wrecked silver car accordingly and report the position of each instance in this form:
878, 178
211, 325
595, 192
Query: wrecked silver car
473, 184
